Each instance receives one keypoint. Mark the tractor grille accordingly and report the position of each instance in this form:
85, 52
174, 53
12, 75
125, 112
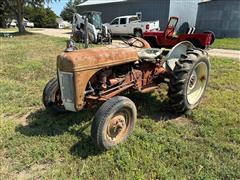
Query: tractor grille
67, 92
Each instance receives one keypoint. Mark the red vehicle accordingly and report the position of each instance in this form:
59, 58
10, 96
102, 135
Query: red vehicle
169, 37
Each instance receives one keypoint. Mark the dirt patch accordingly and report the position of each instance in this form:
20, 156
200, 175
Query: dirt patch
23, 119
177, 119
181, 121
34, 172
19, 118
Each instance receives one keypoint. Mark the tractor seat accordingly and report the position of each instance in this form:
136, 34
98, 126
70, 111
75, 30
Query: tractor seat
150, 54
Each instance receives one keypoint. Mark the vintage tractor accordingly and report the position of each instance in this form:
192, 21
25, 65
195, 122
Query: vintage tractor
170, 37
88, 77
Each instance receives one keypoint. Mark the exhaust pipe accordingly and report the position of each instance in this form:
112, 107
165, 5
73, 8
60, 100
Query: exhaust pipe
86, 39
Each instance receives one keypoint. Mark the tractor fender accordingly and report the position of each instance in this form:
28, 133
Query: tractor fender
213, 36
196, 43
175, 53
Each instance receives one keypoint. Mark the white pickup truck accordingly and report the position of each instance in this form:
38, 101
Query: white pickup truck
27, 23
131, 25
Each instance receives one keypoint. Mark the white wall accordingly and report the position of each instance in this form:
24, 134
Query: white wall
186, 10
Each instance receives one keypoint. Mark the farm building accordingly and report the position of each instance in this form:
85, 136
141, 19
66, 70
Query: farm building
149, 9
220, 16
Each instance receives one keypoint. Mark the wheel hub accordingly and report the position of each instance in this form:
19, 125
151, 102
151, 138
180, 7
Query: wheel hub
193, 80
197, 83
116, 127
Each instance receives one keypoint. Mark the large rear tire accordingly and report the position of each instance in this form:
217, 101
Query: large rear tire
52, 97
189, 80
113, 122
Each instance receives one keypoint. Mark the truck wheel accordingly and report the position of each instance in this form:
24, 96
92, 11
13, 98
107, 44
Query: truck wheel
138, 33
52, 97
189, 81
113, 122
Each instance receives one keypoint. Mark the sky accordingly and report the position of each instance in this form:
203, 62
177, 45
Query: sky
57, 7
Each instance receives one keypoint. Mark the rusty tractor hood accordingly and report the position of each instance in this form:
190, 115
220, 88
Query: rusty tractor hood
84, 63
95, 58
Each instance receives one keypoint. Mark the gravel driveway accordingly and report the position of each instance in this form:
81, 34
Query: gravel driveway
53, 32
67, 32
225, 53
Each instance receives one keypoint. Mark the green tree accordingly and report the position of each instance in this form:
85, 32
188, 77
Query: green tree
4, 14
42, 17
17, 8
69, 10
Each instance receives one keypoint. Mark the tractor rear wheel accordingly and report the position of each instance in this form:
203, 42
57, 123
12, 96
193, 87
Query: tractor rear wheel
189, 80
113, 122
52, 97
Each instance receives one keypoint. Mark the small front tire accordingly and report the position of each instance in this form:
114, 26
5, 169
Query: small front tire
52, 97
113, 122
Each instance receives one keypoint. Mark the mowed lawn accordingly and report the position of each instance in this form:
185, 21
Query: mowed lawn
227, 43
202, 144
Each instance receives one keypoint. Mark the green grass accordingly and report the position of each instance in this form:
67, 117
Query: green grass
3, 30
227, 43
203, 144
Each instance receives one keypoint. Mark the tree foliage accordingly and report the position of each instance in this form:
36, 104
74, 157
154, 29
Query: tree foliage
42, 17
4, 14
17, 8
69, 10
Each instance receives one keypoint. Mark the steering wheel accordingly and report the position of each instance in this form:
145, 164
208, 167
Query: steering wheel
133, 42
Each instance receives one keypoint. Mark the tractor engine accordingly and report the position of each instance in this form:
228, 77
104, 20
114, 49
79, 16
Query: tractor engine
141, 76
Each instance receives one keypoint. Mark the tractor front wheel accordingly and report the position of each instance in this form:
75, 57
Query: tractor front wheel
113, 122
52, 97
189, 80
